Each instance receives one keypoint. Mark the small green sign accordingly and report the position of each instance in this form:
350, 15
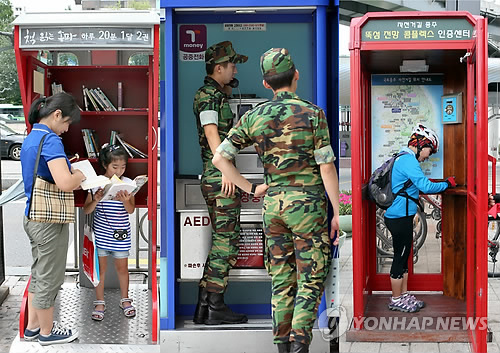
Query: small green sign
421, 29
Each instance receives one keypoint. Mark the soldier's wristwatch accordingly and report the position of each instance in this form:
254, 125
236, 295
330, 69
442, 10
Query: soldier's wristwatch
254, 186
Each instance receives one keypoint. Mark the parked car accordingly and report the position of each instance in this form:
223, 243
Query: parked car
11, 141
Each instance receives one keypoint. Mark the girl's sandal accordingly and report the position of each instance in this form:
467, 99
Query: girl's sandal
128, 311
98, 315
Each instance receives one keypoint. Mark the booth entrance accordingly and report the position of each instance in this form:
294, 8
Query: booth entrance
309, 32
109, 61
430, 68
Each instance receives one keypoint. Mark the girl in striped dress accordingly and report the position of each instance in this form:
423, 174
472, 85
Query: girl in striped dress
112, 229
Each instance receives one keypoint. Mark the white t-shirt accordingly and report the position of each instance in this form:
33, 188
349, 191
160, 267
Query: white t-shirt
110, 215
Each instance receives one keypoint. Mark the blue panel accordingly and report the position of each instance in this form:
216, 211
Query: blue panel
320, 74
240, 3
168, 176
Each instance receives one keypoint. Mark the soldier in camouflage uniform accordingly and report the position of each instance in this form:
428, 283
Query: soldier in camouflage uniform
292, 139
214, 119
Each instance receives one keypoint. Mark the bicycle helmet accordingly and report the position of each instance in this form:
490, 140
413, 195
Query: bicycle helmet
421, 137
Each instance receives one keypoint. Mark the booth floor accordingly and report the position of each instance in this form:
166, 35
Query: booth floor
115, 333
346, 282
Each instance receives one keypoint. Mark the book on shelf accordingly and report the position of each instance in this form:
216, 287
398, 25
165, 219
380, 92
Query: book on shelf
116, 185
106, 100
98, 99
92, 180
135, 109
120, 96
91, 142
85, 99
56, 88
92, 100
132, 151
120, 141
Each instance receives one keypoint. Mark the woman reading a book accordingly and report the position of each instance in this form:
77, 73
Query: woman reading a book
48, 235
112, 228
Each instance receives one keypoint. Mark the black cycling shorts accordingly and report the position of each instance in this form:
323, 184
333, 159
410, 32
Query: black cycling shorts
402, 238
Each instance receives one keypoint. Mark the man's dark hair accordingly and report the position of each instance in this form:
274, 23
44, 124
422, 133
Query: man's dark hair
211, 67
281, 80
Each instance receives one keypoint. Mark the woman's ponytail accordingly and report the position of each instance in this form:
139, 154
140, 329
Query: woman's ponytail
36, 110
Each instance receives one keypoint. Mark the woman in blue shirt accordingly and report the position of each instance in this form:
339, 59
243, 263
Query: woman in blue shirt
399, 216
52, 117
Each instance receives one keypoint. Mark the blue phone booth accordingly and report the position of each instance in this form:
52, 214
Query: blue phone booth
309, 30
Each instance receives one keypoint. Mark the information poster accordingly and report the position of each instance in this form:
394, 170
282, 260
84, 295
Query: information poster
251, 252
399, 102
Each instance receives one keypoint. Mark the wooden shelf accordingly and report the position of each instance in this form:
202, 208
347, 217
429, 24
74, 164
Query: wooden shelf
119, 113
130, 160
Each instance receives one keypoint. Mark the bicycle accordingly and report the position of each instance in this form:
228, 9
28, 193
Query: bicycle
384, 236
493, 247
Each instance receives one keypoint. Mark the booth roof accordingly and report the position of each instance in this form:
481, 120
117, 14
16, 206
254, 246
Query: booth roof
75, 18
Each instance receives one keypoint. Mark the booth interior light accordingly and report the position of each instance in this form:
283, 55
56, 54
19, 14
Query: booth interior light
414, 66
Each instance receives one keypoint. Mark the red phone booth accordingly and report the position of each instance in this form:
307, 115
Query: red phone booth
429, 67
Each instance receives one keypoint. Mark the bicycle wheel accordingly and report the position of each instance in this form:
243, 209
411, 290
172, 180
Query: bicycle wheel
384, 236
419, 230
493, 246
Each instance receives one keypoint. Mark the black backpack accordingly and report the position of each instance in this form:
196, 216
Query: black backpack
380, 185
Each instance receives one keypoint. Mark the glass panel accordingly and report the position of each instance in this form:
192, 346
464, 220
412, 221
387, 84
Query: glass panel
427, 236
139, 59
426, 239
67, 59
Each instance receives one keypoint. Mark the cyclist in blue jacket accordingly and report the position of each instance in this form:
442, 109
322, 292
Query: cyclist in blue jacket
399, 216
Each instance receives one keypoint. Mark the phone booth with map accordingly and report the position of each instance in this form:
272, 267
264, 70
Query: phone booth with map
429, 68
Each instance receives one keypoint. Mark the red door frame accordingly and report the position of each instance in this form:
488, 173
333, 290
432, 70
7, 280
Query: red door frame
365, 278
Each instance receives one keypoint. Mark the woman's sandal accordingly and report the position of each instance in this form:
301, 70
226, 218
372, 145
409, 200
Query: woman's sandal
128, 311
98, 315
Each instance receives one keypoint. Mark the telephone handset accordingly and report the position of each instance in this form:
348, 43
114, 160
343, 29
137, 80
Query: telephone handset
234, 83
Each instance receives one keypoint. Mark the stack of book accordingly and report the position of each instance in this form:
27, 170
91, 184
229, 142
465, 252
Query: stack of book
132, 151
56, 88
91, 143
95, 99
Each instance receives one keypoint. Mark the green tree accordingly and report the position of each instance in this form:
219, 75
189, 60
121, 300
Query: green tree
9, 82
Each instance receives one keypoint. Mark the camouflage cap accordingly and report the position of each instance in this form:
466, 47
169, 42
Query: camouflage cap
222, 52
275, 61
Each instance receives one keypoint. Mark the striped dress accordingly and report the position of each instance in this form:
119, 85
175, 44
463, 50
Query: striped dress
110, 215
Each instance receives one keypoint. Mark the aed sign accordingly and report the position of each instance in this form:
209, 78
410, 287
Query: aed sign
451, 108
196, 221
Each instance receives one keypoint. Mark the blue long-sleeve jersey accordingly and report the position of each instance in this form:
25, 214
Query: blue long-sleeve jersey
407, 167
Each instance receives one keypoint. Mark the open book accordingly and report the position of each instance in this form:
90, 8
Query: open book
92, 179
116, 185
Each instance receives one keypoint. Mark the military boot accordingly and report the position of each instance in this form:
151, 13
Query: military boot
201, 312
220, 313
298, 347
284, 347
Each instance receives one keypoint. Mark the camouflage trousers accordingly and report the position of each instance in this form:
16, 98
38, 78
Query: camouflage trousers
224, 215
297, 258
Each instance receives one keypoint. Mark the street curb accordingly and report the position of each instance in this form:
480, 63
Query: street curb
7, 183
4, 292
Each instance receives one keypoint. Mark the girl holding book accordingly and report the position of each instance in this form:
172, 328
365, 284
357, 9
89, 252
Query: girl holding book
112, 229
